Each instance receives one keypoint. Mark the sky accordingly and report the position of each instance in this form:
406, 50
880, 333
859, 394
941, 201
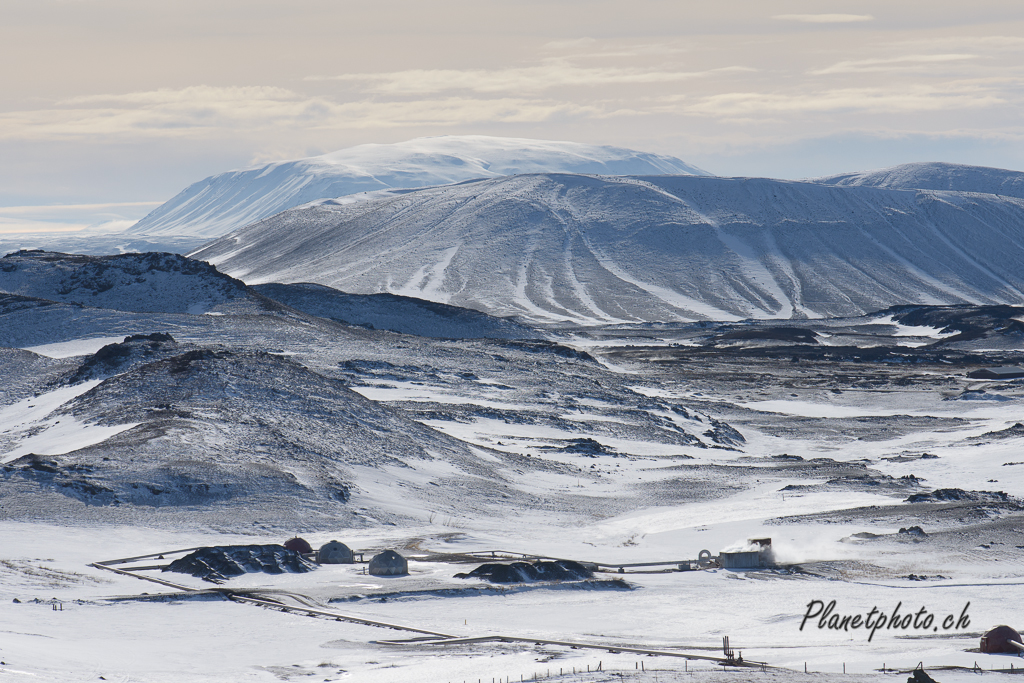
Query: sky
110, 107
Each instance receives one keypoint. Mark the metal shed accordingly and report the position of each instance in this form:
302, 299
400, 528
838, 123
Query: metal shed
389, 563
741, 560
758, 553
334, 552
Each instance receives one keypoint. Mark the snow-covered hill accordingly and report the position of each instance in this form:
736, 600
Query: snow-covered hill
936, 176
396, 313
149, 282
214, 427
560, 247
225, 202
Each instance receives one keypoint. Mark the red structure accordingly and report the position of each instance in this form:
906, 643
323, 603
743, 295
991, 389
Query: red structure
299, 545
1001, 639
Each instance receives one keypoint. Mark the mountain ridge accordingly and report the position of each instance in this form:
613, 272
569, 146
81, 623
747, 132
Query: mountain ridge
934, 175
599, 249
221, 203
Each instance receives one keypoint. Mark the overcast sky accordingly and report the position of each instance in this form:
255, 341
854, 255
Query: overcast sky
126, 102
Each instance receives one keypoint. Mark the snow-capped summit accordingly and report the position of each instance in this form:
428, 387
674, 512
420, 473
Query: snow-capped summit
935, 175
227, 201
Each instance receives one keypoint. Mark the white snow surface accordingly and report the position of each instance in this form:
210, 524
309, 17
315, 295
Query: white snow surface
74, 347
30, 427
603, 249
935, 175
227, 201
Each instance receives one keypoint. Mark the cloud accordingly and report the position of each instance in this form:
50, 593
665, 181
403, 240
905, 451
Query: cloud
824, 18
904, 63
553, 74
108, 217
872, 100
453, 111
202, 111
570, 44
56, 209
161, 113
962, 42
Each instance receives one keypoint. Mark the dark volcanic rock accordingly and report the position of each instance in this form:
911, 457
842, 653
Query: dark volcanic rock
793, 335
524, 572
219, 563
968, 321
1016, 430
585, 446
133, 351
149, 282
940, 495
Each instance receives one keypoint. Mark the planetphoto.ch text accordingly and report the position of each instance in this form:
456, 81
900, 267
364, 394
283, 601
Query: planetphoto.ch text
827, 618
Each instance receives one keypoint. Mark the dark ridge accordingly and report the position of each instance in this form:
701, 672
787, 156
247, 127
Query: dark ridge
543, 346
219, 563
394, 312
1014, 431
121, 356
9, 303
969, 322
795, 335
959, 494
524, 572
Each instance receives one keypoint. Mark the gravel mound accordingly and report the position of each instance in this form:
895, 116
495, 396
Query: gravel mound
524, 572
219, 563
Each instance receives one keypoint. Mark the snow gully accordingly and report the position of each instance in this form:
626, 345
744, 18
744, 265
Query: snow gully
875, 620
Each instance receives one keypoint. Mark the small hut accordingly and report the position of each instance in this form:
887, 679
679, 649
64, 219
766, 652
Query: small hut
389, 563
334, 552
299, 545
997, 373
1002, 639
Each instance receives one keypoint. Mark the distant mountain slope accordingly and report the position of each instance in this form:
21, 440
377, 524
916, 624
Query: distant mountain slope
396, 313
225, 202
552, 247
148, 282
935, 176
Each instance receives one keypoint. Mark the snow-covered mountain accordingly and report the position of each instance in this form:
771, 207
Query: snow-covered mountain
935, 176
551, 247
227, 201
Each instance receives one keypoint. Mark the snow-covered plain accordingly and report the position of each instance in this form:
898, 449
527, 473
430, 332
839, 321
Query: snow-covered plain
828, 436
